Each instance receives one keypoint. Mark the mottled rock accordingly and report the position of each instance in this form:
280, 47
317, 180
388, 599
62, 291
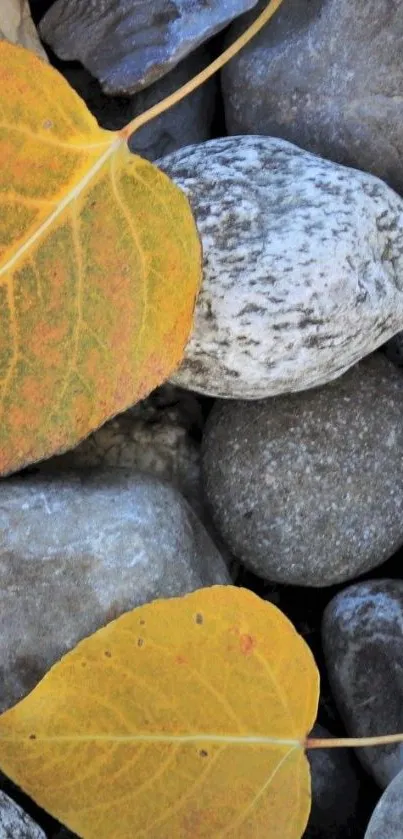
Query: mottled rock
327, 75
188, 122
128, 44
362, 638
387, 819
303, 266
308, 488
78, 550
16, 25
335, 791
14, 823
160, 435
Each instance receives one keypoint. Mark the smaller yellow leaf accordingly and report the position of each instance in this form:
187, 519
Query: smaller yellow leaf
183, 719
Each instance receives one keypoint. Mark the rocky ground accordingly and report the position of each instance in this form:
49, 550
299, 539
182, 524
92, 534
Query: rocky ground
274, 458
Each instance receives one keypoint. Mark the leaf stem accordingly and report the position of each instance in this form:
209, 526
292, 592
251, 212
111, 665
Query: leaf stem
352, 742
205, 74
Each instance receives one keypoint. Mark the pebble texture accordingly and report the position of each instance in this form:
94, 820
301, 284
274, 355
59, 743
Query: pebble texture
327, 75
362, 639
387, 819
14, 823
188, 122
77, 551
308, 488
160, 435
303, 266
128, 44
335, 790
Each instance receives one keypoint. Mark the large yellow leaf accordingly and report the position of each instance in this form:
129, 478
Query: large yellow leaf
100, 264
183, 719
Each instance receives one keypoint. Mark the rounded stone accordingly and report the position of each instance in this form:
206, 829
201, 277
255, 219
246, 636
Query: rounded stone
327, 75
308, 488
14, 823
78, 550
387, 818
335, 791
362, 635
303, 266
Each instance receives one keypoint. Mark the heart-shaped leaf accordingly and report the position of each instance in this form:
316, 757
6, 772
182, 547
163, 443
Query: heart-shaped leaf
100, 263
184, 718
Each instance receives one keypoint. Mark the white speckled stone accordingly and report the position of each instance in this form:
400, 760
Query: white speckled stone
363, 644
387, 818
14, 823
303, 266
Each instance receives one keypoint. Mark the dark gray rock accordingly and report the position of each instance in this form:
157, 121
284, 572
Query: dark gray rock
78, 550
335, 791
308, 488
394, 349
128, 44
188, 122
303, 266
14, 823
387, 819
327, 75
363, 644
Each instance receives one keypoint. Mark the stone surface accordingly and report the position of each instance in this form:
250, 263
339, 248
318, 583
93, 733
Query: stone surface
363, 645
387, 819
16, 25
14, 823
160, 435
303, 266
394, 349
188, 122
335, 791
308, 488
128, 44
78, 550
327, 75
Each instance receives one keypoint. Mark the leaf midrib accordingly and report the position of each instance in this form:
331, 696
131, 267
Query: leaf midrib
71, 196
158, 738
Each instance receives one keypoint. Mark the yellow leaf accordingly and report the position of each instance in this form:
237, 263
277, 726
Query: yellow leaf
183, 719
100, 264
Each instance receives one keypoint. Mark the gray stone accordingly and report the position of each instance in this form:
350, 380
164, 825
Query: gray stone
14, 823
16, 25
335, 791
327, 75
128, 44
363, 644
78, 550
308, 488
394, 349
188, 122
156, 436
303, 266
387, 819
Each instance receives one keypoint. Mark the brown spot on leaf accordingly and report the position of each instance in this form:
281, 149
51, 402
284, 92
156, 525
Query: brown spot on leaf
248, 643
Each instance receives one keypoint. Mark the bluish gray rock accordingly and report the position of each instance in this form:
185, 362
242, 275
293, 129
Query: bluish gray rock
188, 122
307, 489
14, 823
362, 639
335, 791
387, 819
303, 266
78, 550
327, 75
128, 44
